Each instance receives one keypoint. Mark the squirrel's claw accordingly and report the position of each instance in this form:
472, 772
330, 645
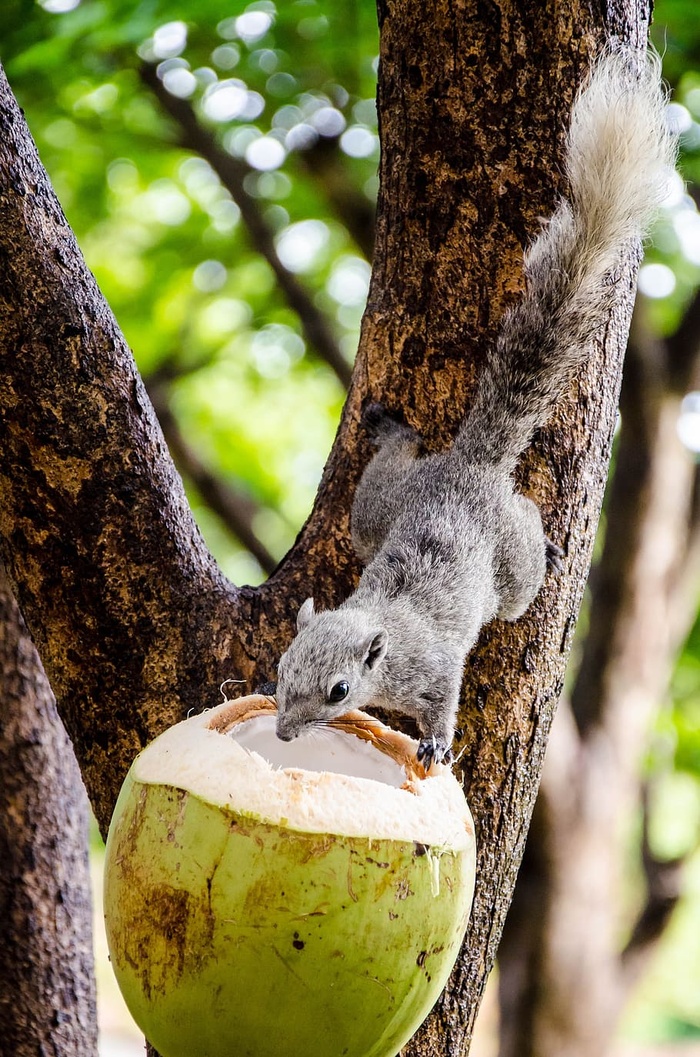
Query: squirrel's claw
553, 555
266, 689
433, 750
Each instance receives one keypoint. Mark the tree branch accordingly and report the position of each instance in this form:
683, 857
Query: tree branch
232, 173
236, 510
683, 348
325, 163
644, 597
628, 649
663, 880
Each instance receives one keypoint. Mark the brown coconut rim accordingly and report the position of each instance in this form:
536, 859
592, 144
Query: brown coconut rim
399, 747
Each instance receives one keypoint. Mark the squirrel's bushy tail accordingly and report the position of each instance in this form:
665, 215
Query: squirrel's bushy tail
618, 160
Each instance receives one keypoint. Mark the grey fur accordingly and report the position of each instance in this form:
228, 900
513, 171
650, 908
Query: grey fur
447, 543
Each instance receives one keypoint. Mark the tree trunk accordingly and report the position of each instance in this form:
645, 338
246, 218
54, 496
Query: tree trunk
47, 989
134, 622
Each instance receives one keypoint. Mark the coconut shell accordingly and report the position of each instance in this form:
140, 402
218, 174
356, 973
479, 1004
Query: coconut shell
234, 933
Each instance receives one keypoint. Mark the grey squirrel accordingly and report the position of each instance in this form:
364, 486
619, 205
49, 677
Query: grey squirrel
446, 542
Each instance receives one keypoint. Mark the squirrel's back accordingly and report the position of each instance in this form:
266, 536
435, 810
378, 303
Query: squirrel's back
619, 154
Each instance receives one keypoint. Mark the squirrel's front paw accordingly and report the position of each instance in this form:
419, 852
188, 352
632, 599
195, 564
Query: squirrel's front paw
378, 423
433, 750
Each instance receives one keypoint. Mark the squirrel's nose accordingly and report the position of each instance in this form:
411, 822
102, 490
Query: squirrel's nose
282, 729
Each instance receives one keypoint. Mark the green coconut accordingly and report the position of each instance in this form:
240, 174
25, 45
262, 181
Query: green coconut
270, 899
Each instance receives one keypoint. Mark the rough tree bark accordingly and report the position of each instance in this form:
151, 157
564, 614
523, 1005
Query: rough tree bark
134, 622
47, 990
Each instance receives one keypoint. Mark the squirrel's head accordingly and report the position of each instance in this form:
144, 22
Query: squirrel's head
329, 669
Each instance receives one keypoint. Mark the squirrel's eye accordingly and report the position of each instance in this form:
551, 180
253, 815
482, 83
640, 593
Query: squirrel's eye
339, 692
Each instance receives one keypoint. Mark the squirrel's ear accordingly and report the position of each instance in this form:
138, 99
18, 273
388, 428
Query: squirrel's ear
305, 614
375, 648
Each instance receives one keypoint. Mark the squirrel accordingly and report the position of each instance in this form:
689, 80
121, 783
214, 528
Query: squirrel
446, 542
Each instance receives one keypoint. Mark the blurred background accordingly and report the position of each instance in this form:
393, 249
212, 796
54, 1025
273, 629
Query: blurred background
217, 162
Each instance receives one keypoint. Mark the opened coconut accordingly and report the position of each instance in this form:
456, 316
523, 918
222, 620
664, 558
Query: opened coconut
274, 899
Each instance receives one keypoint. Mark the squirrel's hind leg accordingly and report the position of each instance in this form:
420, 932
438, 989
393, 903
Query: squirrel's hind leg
521, 558
381, 494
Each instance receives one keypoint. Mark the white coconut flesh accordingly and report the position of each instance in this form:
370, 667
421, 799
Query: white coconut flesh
356, 777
